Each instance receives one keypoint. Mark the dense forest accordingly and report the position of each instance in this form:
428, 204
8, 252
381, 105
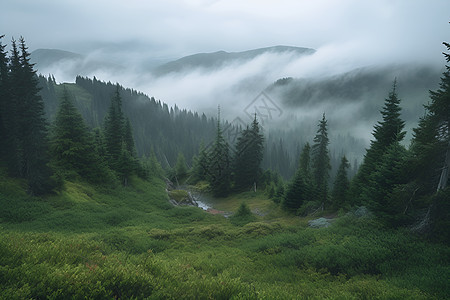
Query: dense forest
105, 137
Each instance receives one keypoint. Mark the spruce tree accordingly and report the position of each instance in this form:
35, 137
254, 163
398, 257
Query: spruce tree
219, 169
431, 158
248, 156
200, 164
72, 145
32, 127
180, 167
114, 130
341, 185
389, 173
386, 132
305, 160
119, 142
321, 162
297, 192
3, 99
11, 117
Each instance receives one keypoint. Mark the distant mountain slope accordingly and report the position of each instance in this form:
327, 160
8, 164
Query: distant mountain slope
67, 65
218, 59
46, 57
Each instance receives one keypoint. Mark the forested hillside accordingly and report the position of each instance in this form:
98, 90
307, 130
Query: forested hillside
166, 131
87, 210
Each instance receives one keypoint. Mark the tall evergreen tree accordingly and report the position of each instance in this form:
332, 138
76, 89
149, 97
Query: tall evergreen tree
389, 173
114, 130
200, 164
3, 98
321, 161
72, 145
431, 157
297, 192
180, 167
386, 132
219, 169
248, 156
11, 117
32, 126
305, 160
341, 184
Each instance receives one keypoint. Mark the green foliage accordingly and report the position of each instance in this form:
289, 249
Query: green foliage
126, 243
242, 216
297, 192
321, 162
219, 168
72, 146
341, 185
180, 167
386, 132
388, 174
248, 157
24, 128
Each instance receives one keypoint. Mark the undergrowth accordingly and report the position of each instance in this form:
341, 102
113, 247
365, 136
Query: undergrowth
130, 242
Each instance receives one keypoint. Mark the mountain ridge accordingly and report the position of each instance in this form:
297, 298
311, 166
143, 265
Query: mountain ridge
219, 58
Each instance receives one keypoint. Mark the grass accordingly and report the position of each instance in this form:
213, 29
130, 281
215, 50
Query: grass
131, 243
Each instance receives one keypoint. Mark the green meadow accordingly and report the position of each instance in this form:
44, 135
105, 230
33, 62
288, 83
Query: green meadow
89, 242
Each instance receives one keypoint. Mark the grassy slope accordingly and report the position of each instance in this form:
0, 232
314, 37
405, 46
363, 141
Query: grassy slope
129, 242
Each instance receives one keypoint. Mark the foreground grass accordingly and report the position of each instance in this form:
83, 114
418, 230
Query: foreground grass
130, 243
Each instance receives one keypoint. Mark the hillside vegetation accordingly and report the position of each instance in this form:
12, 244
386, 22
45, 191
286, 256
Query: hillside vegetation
129, 242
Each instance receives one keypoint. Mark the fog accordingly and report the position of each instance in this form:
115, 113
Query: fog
124, 41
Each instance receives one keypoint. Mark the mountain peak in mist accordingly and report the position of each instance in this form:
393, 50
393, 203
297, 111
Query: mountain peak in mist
219, 58
46, 57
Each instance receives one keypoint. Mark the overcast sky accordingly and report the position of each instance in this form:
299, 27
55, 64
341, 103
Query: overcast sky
386, 29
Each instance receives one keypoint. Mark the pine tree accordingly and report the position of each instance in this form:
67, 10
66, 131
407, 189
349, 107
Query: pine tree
341, 185
248, 156
321, 162
3, 99
431, 158
386, 132
200, 164
72, 145
305, 160
219, 169
119, 142
13, 148
388, 174
297, 192
32, 127
128, 139
180, 167
114, 130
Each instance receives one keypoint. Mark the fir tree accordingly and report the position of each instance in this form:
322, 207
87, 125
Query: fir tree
297, 192
3, 99
180, 167
305, 160
386, 132
32, 127
341, 184
12, 116
72, 145
321, 162
219, 169
248, 156
200, 164
114, 130
388, 174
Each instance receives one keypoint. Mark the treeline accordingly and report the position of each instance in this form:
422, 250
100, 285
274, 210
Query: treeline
229, 170
399, 185
46, 154
157, 128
